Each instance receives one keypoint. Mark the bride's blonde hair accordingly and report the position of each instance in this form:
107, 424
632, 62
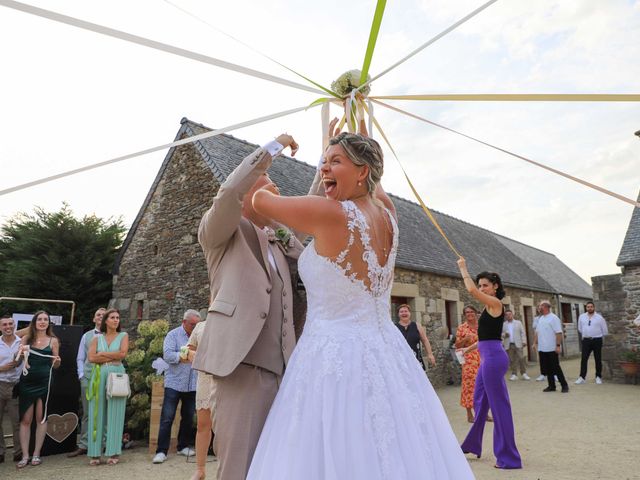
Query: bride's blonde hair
362, 151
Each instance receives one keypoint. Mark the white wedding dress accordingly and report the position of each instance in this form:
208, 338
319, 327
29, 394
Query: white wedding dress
354, 403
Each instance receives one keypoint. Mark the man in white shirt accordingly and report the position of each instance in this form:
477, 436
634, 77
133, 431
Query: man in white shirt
9, 376
84, 374
514, 339
548, 341
593, 327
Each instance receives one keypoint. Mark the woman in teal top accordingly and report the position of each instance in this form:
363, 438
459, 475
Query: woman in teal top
42, 347
107, 352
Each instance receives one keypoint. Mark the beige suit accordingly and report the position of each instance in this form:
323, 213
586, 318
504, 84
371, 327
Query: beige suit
513, 346
249, 334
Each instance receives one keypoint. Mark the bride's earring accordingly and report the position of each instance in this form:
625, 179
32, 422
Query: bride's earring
359, 183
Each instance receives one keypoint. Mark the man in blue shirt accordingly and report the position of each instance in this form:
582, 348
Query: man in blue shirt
179, 386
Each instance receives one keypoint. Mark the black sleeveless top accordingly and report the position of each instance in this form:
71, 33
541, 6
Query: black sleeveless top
412, 336
490, 328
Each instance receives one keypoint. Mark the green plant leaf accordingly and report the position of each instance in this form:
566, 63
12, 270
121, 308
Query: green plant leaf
373, 38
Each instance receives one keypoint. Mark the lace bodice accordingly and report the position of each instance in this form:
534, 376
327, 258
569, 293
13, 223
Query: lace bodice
335, 291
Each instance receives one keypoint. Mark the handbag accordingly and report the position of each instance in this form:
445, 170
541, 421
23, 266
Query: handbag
118, 385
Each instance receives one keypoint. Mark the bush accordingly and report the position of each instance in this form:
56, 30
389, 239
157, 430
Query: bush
144, 350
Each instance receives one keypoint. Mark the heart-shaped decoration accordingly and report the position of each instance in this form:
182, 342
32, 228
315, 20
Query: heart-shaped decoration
59, 427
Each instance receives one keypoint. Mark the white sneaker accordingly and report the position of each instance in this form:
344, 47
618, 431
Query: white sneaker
598, 381
187, 452
580, 381
541, 378
526, 377
513, 377
159, 458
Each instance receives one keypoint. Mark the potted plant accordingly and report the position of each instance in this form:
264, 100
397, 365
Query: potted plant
630, 362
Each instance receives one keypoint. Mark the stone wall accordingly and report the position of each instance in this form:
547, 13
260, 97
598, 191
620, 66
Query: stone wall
617, 298
163, 271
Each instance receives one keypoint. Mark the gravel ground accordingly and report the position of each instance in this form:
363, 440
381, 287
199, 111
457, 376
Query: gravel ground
593, 432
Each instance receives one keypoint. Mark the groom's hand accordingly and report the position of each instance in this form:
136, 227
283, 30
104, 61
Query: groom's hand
287, 140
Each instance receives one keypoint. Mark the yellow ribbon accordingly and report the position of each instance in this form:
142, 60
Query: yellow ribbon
413, 189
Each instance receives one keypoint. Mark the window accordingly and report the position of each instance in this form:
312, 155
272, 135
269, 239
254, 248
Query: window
139, 309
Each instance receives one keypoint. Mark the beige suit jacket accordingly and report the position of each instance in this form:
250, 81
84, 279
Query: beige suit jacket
519, 335
239, 279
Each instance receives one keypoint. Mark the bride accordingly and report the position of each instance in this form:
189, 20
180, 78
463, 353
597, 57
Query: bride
354, 403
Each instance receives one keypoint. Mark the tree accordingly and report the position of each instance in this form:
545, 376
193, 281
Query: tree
55, 255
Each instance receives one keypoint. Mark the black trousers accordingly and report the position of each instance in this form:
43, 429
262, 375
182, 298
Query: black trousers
591, 345
551, 367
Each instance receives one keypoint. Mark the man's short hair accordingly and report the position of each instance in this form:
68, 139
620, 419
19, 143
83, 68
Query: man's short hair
545, 302
508, 310
191, 313
5, 315
590, 303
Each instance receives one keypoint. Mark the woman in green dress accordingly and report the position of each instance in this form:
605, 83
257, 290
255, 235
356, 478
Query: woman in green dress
106, 413
33, 389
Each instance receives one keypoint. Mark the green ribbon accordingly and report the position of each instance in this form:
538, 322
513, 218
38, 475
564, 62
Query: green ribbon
373, 38
93, 393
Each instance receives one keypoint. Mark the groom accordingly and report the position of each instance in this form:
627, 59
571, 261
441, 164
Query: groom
251, 328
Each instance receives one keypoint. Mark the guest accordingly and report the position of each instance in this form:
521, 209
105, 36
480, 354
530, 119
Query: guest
548, 341
41, 347
514, 339
593, 328
9, 376
467, 342
179, 386
84, 374
106, 414
205, 405
491, 388
414, 333
542, 377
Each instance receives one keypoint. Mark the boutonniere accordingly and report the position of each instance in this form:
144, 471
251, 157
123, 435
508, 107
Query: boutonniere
282, 236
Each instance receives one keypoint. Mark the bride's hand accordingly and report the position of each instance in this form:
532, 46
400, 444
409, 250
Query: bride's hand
333, 131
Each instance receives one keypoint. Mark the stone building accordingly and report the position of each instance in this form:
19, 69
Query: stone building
160, 271
617, 298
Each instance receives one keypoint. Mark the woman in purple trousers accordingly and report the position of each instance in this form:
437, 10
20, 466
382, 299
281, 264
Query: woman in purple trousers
491, 389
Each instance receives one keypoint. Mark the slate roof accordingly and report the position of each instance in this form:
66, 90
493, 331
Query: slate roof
421, 246
630, 251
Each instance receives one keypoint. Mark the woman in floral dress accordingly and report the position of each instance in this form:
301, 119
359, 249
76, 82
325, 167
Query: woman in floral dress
467, 341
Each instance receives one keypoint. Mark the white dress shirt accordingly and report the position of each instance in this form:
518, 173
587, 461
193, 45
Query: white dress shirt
8, 354
592, 326
510, 331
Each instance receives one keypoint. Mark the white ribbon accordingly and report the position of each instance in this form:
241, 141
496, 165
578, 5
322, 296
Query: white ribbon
128, 37
153, 149
429, 42
533, 162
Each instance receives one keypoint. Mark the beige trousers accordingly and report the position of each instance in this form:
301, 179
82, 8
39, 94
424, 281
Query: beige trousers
516, 359
243, 400
11, 406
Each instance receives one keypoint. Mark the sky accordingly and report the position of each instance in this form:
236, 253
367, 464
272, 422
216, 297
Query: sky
69, 98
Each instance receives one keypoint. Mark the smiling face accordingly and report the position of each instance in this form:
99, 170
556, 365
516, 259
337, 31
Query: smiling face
404, 314
470, 315
7, 326
42, 322
487, 287
340, 176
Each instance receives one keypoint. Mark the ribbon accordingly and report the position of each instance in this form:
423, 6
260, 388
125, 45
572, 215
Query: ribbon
145, 42
519, 97
93, 393
429, 42
532, 162
177, 143
425, 209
